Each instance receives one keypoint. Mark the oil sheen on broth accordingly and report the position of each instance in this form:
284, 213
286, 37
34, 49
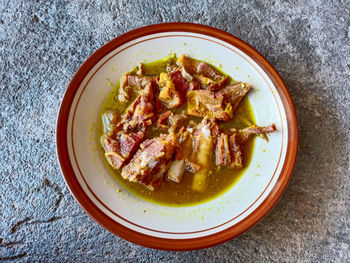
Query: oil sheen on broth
219, 180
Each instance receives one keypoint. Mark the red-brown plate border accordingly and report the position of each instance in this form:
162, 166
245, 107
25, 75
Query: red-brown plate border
163, 243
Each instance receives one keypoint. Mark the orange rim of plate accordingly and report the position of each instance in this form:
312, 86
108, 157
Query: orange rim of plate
163, 243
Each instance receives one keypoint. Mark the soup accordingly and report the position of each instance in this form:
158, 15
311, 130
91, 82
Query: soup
178, 131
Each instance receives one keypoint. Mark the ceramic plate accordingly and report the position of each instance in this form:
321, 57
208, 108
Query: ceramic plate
160, 226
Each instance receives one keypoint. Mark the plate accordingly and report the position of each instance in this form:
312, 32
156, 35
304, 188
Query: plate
160, 226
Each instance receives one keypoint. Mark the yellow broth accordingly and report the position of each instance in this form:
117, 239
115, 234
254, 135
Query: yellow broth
219, 180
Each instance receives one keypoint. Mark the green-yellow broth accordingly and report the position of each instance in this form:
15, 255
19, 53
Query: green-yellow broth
219, 179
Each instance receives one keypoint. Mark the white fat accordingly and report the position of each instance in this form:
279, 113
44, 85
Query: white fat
176, 170
144, 160
206, 131
152, 163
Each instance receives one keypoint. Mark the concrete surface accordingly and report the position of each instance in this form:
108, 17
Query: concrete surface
43, 43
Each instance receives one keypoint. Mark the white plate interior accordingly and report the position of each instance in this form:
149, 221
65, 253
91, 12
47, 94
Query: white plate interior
163, 221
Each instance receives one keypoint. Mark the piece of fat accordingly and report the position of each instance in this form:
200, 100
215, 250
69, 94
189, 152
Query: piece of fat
176, 171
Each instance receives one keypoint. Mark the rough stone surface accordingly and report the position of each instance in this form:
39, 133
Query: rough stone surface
43, 43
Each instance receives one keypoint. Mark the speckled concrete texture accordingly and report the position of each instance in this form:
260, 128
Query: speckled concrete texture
43, 43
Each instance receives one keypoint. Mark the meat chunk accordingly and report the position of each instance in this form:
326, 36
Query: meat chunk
223, 153
140, 113
174, 123
110, 120
163, 120
201, 103
234, 93
168, 94
131, 85
228, 146
207, 76
178, 122
149, 164
119, 149
183, 84
246, 133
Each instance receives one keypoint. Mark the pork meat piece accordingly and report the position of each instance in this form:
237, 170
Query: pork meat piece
110, 120
208, 77
168, 94
228, 145
163, 122
131, 85
201, 103
234, 93
184, 83
119, 149
139, 114
246, 133
149, 165
174, 123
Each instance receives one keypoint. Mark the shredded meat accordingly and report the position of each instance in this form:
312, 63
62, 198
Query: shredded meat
201, 103
246, 133
131, 84
174, 123
163, 120
168, 94
118, 150
234, 93
182, 84
140, 113
110, 120
228, 146
152, 160
207, 76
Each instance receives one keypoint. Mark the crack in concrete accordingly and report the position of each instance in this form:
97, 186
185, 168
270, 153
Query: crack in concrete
26, 221
14, 257
12, 244
19, 224
58, 190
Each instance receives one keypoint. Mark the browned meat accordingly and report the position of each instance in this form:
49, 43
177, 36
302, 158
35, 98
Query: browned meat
131, 85
182, 84
173, 122
223, 154
122, 147
228, 151
163, 120
152, 160
234, 93
228, 146
168, 94
207, 76
203, 103
178, 122
110, 120
140, 113
246, 133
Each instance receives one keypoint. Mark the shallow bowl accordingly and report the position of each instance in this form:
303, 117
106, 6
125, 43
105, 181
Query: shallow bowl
160, 226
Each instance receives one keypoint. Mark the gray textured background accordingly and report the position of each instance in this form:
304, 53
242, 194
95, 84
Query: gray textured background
43, 44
